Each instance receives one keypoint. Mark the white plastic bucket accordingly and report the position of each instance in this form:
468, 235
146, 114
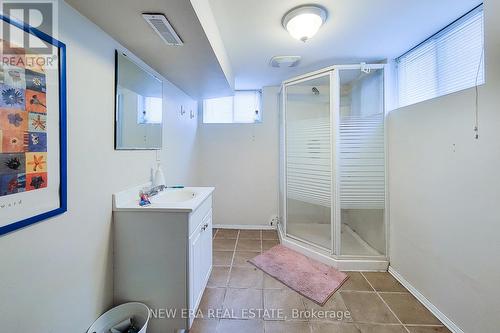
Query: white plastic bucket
139, 312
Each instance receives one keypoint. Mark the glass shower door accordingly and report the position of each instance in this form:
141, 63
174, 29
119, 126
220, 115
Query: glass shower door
308, 160
361, 162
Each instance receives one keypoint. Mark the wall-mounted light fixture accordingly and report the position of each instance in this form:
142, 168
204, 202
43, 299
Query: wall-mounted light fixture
304, 22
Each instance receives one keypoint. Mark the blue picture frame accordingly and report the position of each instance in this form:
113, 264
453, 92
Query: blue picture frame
62, 129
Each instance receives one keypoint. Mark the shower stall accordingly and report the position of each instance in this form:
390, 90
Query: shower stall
333, 185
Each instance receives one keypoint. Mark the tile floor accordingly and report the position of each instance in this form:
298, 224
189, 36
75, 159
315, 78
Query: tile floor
240, 298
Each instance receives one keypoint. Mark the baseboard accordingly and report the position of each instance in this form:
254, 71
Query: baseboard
431, 307
244, 226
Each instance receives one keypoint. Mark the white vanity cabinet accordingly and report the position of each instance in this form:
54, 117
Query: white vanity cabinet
200, 259
163, 257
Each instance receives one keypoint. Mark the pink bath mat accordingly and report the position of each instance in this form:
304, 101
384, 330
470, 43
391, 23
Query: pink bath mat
308, 277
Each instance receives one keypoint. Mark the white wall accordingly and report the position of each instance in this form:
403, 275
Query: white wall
241, 161
179, 155
56, 276
445, 195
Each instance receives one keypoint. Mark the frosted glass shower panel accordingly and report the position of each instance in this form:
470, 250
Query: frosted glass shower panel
361, 162
308, 161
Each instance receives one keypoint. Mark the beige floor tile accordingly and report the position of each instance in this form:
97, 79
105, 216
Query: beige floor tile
250, 234
243, 303
371, 328
267, 244
286, 327
283, 304
334, 309
246, 277
227, 234
204, 326
211, 301
333, 328
367, 307
223, 244
272, 283
248, 245
383, 281
219, 277
240, 326
428, 329
409, 310
222, 258
269, 235
356, 282
241, 258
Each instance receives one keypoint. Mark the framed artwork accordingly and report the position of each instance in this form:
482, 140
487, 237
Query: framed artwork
32, 128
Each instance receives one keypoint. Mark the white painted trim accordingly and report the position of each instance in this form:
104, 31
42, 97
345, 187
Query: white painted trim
331, 68
431, 307
335, 212
285, 162
387, 217
244, 226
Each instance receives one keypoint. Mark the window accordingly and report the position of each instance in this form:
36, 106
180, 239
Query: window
243, 107
149, 110
449, 61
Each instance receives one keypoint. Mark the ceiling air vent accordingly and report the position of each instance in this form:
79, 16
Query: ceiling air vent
284, 61
163, 28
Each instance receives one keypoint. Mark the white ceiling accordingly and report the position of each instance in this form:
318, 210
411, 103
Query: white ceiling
355, 30
193, 67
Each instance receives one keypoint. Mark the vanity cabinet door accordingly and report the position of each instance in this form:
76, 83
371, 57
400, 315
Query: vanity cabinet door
207, 247
200, 260
196, 274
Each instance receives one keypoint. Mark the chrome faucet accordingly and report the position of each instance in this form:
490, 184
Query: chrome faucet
155, 190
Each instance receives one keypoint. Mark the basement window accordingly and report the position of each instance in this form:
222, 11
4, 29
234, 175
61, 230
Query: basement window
243, 107
449, 61
149, 110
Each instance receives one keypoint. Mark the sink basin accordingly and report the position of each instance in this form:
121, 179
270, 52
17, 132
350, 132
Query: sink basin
170, 200
178, 195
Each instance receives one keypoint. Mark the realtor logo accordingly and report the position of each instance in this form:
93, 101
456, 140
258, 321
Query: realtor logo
41, 15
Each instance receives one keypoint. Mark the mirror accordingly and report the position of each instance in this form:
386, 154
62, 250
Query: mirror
138, 106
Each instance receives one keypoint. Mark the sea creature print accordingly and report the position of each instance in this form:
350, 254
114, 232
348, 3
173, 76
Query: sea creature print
37, 163
35, 139
37, 182
13, 163
34, 100
38, 123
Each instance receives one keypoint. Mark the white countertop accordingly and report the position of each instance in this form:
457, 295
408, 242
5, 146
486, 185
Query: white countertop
128, 200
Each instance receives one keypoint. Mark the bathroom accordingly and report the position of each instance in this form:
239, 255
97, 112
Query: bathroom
418, 239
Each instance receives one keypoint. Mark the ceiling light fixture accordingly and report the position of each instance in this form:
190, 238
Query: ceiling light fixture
303, 22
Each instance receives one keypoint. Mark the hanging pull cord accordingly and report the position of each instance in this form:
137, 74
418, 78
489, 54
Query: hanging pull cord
476, 111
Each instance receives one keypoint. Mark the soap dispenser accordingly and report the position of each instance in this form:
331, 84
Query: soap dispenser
159, 178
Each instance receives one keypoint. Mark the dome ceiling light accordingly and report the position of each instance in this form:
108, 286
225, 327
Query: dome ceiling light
304, 22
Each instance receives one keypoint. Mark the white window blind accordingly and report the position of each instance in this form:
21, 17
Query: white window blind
218, 110
243, 107
449, 61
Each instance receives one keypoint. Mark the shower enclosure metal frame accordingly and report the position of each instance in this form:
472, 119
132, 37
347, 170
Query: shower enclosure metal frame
332, 255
